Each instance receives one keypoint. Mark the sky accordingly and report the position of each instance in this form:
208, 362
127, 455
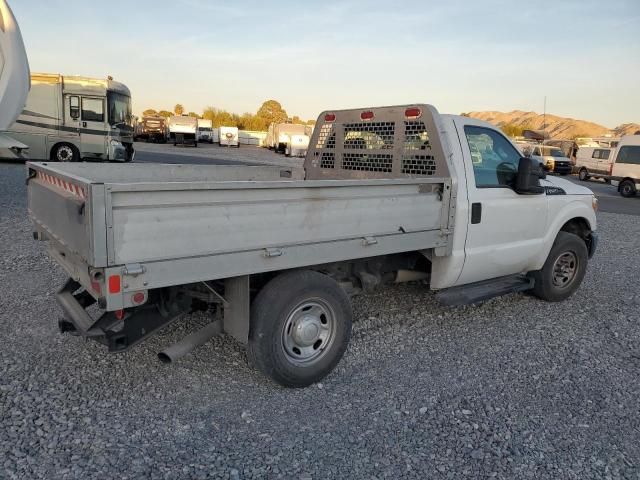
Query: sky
459, 56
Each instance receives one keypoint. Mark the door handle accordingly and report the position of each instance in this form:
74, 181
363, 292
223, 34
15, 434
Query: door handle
476, 212
84, 124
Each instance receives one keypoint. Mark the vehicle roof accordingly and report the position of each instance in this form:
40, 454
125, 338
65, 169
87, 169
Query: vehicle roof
629, 140
90, 84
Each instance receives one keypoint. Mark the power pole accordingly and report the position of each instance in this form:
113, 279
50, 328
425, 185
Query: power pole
544, 116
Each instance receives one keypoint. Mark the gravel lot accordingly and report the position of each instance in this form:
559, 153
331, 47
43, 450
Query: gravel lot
514, 388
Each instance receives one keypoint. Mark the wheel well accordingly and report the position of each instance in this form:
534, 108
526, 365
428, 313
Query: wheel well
579, 227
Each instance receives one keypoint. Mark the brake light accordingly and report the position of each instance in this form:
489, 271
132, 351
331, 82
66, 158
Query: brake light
366, 115
114, 284
412, 113
330, 117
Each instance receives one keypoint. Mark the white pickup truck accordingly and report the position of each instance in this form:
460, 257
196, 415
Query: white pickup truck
389, 194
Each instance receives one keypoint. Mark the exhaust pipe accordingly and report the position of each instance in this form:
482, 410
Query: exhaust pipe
188, 343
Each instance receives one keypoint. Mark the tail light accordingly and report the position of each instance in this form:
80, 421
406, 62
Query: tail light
368, 115
412, 113
114, 284
330, 117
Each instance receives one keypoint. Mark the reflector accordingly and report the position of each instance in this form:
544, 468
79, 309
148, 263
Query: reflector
329, 117
366, 115
412, 113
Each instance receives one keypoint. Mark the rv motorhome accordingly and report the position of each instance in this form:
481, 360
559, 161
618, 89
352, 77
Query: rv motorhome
70, 118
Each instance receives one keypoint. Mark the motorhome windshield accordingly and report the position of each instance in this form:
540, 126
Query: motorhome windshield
119, 109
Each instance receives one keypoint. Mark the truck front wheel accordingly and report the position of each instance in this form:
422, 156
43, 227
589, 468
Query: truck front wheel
564, 269
300, 328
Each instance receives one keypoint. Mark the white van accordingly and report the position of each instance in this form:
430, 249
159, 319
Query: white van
625, 171
594, 162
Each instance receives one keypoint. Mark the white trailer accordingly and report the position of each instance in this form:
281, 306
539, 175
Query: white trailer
183, 130
282, 132
390, 194
14, 82
205, 130
228, 137
297, 146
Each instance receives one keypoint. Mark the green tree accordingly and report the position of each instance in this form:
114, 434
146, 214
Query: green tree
194, 114
512, 130
148, 112
272, 112
165, 113
178, 109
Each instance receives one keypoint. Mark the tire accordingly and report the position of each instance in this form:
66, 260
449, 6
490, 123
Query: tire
627, 189
563, 270
65, 152
583, 174
195, 144
278, 312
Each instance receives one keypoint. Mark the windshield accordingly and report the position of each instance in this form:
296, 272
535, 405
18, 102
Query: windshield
553, 152
119, 109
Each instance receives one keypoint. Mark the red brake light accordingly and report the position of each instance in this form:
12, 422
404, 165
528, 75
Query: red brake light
329, 117
412, 113
366, 115
114, 284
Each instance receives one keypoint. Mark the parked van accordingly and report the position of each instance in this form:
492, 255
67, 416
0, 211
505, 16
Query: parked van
68, 119
625, 169
594, 162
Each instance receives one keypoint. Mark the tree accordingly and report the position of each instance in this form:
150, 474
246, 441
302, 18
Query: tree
165, 113
297, 120
148, 112
512, 130
194, 114
272, 112
311, 122
178, 109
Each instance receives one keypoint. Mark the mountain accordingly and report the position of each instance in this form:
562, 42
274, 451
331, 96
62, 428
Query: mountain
557, 127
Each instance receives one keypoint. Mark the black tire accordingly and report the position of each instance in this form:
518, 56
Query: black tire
583, 174
65, 152
627, 189
607, 181
563, 270
195, 144
278, 312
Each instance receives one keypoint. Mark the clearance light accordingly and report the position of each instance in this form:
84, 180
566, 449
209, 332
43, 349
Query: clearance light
330, 117
412, 113
366, 115
114, 284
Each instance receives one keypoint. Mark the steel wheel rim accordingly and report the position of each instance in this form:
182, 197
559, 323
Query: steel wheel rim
64, 154
308, 332
565, 269
626, 189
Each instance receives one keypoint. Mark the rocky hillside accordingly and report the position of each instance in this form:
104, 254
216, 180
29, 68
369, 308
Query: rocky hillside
558, 127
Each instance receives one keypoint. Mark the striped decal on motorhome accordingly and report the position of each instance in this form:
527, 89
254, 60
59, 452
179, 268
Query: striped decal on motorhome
69, 187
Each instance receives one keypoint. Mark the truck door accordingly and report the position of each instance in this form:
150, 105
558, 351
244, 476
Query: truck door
506, 230
93, 133
71, 118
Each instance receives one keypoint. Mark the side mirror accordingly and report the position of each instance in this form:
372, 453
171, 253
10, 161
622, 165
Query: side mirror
528, 177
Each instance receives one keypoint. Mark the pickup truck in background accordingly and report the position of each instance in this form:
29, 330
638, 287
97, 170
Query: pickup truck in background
183, 130
390, 194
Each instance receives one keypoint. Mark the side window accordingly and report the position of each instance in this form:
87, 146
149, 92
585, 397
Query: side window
596, 154
536, 152
629, 155
604, 154
92, 109
495, 160
74, 107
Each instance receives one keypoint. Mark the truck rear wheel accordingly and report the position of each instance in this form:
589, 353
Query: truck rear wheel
564, 269
300, 328
627, 188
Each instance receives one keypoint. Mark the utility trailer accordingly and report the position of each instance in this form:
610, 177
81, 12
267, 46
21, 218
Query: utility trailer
389, 194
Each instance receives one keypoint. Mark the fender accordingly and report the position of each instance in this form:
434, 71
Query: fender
559, 216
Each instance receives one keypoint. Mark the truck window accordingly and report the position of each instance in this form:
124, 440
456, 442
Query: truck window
74, 107
629, 154
92, 110
495, 160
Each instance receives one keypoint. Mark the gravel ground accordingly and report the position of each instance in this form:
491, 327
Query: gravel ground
514, 388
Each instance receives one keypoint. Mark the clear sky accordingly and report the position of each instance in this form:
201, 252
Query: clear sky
584, 55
